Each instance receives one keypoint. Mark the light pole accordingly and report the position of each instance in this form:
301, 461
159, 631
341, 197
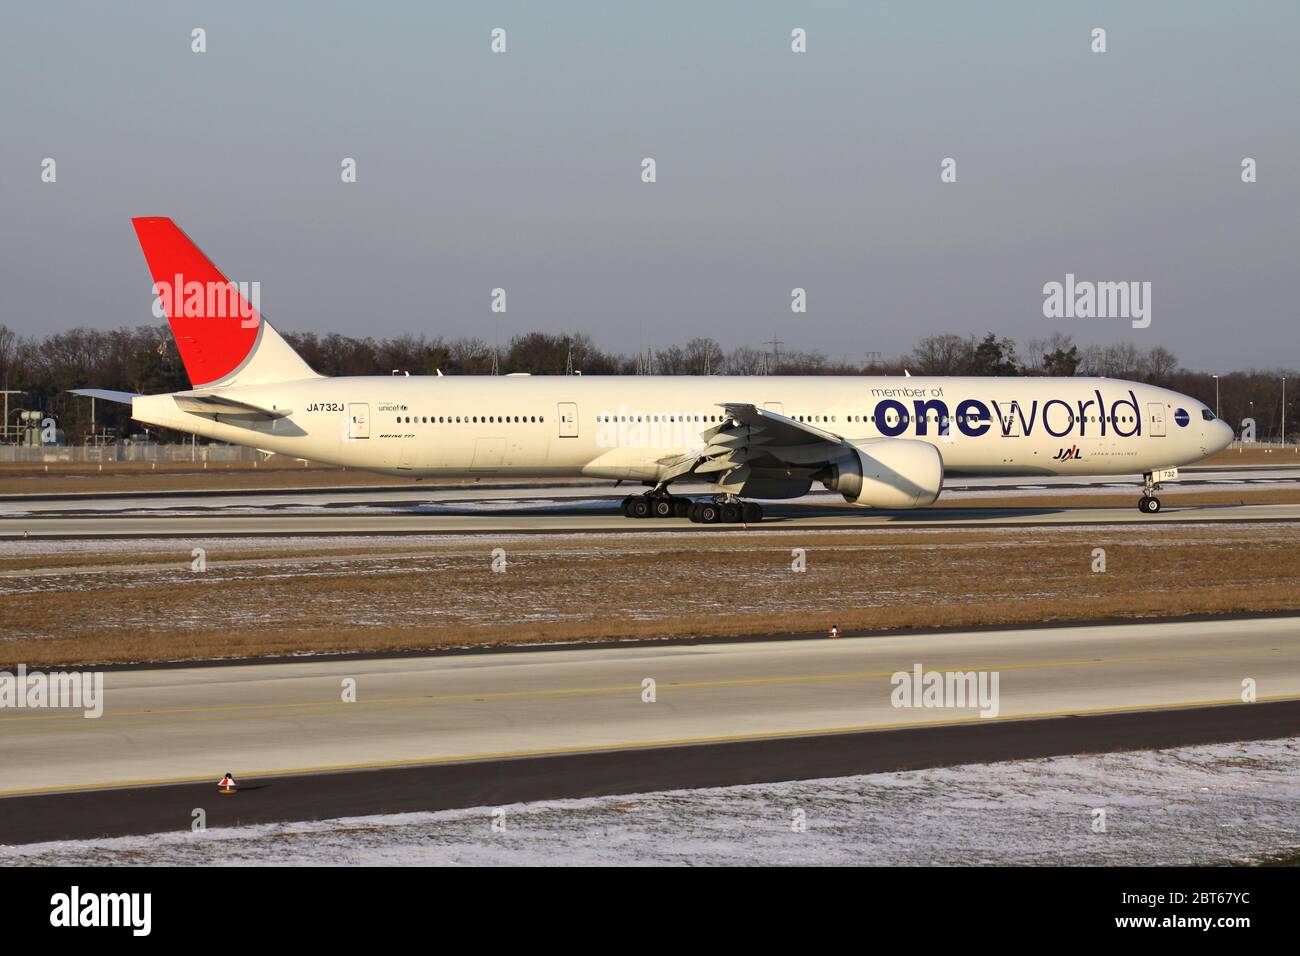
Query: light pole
1216, 396
4, 422
92, 418
1283, 411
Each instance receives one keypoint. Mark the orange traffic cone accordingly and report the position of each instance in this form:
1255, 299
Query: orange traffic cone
227, 785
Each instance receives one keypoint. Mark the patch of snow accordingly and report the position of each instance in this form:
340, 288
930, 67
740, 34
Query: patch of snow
1190, 805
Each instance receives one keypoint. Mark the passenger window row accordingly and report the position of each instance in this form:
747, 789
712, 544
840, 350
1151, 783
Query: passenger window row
657, 418
470, 419
890, 417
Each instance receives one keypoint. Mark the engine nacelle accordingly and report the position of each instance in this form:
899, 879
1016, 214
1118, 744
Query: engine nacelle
888, 473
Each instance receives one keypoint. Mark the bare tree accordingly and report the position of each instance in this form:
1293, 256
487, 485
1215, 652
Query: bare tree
8, 353
1112, 361
743, 360
1038, 354
1159, 365
703, 357
670, 361
941, 355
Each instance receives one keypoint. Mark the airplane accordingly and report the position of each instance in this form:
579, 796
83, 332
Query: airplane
884, 442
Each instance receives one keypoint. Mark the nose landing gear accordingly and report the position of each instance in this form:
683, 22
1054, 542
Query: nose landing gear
1149, 504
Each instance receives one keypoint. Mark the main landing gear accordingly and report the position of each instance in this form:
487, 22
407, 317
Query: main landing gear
656, 505
1149, 504
715, 511
719, 510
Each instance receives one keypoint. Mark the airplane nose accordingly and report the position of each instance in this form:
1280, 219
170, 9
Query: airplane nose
1225, 436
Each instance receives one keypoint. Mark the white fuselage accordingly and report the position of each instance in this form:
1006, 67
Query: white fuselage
624, 427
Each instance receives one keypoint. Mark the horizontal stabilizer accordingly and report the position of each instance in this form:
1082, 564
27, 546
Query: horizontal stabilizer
201, 404
105, 394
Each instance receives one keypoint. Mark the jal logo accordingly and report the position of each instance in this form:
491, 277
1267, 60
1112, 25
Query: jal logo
1068, 454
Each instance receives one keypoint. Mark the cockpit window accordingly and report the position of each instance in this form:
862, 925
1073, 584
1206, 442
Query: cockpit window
1207, 414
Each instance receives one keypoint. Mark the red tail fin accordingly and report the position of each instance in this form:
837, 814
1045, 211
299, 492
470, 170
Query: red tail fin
220, 334
211, 345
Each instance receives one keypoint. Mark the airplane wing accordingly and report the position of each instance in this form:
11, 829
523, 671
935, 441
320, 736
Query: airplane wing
201, 403
757, 441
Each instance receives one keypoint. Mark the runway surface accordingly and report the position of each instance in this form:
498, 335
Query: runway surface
597, 518
86, 814
183, 725
539, 507
363, 495
542, 493
474, 729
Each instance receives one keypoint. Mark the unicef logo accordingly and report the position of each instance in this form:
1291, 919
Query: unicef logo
1182, 418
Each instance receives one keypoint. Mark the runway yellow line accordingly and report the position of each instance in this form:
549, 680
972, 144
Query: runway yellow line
642, 745
72, 719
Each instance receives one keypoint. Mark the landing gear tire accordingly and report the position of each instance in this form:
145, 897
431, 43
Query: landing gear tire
1149, 505
682, 507
731, 513
626, 506
640, 507
705, 512
751, 513
662, 507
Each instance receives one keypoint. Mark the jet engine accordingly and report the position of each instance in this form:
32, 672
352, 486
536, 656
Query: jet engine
887, 473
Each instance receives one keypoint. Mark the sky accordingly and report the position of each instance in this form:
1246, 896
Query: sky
775, 170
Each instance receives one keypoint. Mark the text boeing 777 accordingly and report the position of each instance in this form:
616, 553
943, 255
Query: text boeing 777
881, 442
